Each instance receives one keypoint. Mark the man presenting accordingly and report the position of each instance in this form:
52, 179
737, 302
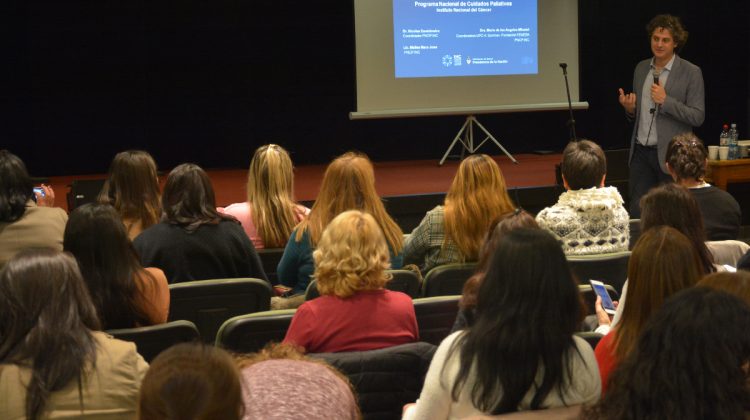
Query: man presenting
670, 101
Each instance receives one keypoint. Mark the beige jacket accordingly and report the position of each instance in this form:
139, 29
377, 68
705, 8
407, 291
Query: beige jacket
109, 392
39, 227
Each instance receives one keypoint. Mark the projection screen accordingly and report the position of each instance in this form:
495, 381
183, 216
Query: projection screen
422, 58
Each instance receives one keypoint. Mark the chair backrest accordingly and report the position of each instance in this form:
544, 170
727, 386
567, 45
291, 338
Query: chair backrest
250, 333
447, 279
635, 232
727, 252
83, 191
609, 268
152, 340
208, 303
269, 258
385, 379
591, 337
405, 281
435, 317
589, 296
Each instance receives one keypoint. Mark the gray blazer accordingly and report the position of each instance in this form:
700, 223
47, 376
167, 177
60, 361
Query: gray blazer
683, 109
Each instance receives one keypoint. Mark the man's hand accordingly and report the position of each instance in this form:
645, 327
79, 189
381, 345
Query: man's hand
658, 94
627, 101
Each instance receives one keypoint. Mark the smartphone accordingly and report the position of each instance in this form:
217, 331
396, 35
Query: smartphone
601, 291
39, 190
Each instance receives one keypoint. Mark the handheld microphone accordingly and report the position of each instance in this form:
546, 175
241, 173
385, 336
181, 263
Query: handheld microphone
656, 74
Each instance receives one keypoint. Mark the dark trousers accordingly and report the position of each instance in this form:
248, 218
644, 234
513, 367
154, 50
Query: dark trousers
645, 173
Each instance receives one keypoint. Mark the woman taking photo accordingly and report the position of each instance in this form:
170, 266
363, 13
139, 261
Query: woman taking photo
454, 232
124, 293
521, 353
269, 214
194, 241
53, 360
132, 188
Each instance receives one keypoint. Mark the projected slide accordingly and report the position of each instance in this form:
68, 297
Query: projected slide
464, 38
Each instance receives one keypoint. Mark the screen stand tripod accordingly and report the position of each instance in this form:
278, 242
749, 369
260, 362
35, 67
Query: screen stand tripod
466, 137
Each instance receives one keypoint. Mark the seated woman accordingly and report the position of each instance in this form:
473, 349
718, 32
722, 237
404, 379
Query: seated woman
125, 294
271, 376
690, 362
53, 360
26, 220
191, 381
270, 214
686, 161
663, 262
132, 188
348, 184
521, 353
468, 303
193, 240
455, 231
354, 312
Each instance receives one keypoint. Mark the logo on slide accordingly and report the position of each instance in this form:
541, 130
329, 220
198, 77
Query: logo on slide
447, 60
468, 60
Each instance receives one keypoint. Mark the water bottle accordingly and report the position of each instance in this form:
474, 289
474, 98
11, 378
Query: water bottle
724, 137
734, 151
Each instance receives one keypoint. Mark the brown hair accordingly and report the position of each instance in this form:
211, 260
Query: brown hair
737, 283
188, 199
686, 156
191, 381
132, 187
583, 164
663, 262
477, 196
671, 23
349, 184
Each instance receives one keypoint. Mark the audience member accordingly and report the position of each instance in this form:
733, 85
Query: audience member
194, 241
191, 381
124, 294
24, 222
690, 362
280, 383
53, 360
521, 353
468, 303
454, 231
588, 218
354, 312
663, 262
737, 284
348, 184
269, 214
132, 188
686, 161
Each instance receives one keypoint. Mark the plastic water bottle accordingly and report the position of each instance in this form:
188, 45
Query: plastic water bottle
734, 150
724, 137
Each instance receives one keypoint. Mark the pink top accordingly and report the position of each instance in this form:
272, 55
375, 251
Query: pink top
368, 320
243, 213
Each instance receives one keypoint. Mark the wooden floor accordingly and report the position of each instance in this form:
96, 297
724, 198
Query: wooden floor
392, 178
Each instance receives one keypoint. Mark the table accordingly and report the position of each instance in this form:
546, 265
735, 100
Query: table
722, 172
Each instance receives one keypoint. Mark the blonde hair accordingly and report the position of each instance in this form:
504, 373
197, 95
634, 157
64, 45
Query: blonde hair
349, 184
476, 198
132, 187
352, 256
270, 190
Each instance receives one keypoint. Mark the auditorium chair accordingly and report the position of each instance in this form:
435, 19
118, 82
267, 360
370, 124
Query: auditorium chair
447, 279
269, 258
208, 303
591, 337
610, 268
250, 333
385, 379
435, 317
152, 340
404, 281
635, 232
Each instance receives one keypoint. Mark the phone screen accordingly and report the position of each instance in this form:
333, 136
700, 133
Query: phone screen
602, 292
39, 190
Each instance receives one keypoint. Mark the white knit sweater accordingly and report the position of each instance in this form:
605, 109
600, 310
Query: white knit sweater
588, 221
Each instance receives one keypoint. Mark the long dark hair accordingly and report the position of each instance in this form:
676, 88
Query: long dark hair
109, 264
16, 188
687, 363
188, 198
673, 205
46, 318
527, 310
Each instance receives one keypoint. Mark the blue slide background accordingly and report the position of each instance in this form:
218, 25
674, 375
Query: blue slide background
522, 57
